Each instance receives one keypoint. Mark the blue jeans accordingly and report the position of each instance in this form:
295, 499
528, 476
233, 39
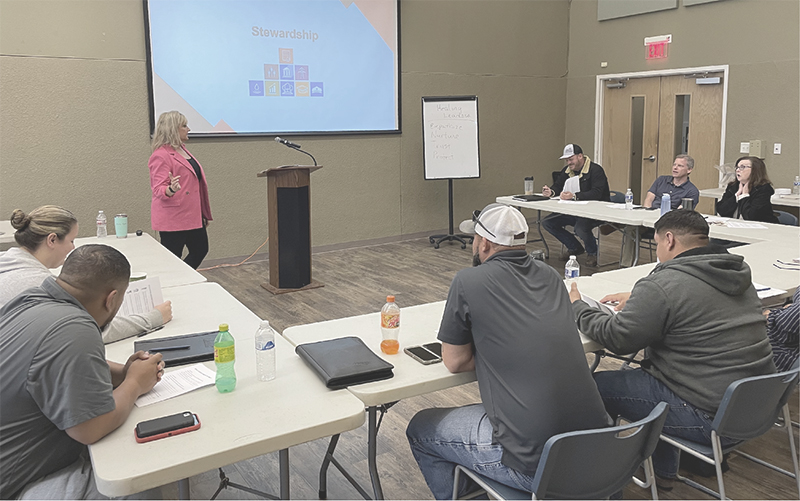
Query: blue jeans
632, 394
440, 439
555, 223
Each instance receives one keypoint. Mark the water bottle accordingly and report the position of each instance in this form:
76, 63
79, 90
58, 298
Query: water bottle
572, 270
796, 187
265, 352
629, 200
390, 327
666, 204
102, 225
224, 358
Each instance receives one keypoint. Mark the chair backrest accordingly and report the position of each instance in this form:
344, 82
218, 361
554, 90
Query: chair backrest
594, 464
751, 405
786, 218
556, 173
617, 197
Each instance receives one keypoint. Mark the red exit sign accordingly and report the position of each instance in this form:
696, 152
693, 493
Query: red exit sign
657, 47
657, 50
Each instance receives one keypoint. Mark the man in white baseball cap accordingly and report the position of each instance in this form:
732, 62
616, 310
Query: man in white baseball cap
581, 179
509, 319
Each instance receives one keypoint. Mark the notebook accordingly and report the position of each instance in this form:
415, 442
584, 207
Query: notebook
530, 198
181, 350
344, 361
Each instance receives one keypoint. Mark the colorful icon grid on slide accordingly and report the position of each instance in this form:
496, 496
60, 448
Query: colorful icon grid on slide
286, 79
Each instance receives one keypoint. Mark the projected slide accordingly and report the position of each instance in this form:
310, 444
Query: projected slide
276, 66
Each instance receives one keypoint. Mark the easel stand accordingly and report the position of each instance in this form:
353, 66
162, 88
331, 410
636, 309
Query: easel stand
451, 236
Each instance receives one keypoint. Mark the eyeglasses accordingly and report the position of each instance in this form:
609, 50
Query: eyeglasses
743, 167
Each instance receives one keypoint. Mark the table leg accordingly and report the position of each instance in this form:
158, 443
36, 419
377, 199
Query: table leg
323, 470
372, 450
539, 229
638, 243
183, 489
283, 456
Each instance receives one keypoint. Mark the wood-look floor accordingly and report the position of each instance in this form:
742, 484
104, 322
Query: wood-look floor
357, 281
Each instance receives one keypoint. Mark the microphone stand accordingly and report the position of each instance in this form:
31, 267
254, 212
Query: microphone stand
301, 151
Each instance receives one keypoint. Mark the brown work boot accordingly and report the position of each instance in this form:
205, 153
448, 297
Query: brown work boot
566, 253
591, 261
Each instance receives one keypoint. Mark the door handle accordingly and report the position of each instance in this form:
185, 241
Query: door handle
652, 158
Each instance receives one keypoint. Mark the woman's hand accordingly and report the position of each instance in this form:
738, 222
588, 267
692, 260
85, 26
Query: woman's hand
174, 185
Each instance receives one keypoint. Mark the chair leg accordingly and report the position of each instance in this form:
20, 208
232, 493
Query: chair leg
718, 457
788, 420
456, 478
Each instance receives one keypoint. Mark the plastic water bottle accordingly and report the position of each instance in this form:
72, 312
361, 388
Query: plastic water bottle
572, 270
629, 200
102, 225
224, 358
666, 204
265, 352
390, 327
796, 187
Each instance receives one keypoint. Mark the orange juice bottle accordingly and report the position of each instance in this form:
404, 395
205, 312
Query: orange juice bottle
390, 326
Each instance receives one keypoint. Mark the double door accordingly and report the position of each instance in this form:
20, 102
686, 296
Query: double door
648, 121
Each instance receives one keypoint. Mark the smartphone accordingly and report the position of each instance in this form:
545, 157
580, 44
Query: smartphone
435, 348
166, 426
421, 355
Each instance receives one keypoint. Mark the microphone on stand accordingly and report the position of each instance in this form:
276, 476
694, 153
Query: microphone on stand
294, 146
287, 143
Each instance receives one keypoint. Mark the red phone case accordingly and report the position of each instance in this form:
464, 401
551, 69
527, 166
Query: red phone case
169, 433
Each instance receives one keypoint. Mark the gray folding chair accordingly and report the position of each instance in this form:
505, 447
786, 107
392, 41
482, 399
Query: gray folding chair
749, 408
786, 218
587, 464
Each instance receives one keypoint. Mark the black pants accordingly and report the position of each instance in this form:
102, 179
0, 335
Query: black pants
196, 241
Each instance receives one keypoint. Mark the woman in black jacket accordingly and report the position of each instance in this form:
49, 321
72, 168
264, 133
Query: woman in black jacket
749, 196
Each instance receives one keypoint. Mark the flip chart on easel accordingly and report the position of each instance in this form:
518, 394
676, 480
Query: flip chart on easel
450, 137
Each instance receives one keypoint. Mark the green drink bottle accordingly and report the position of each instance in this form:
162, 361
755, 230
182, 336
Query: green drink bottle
224, 358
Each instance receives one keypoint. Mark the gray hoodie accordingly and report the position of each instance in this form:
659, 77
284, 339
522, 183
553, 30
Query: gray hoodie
700, 319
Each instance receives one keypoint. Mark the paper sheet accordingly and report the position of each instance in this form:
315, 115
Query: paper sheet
572, 184
178, 382
765, 291
619, 206
597, 304
742, 224
141, 297
573, 202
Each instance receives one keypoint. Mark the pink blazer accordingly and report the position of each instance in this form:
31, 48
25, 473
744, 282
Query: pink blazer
186, 209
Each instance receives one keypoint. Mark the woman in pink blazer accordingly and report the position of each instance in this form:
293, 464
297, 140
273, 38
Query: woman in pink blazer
180, 210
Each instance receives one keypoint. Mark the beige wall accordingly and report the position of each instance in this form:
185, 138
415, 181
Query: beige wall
74, 121
758, 39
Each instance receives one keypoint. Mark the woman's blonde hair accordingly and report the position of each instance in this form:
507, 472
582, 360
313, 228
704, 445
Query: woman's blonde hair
33, 228
167, 130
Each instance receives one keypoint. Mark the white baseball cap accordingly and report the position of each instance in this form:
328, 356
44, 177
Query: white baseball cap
571, 149
498, 223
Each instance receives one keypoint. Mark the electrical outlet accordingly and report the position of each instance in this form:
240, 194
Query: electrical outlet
755, 148
744, 147
604, 64
776, 149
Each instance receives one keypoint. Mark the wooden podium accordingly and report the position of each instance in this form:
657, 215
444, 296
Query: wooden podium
289, 211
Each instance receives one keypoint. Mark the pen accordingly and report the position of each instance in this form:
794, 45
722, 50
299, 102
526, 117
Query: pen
150, 331
169, 348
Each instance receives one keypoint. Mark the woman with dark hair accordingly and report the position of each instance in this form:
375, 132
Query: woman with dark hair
749, 196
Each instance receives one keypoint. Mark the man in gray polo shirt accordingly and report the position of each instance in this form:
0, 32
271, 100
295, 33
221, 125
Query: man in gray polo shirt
678, 186
59, 394
509, 319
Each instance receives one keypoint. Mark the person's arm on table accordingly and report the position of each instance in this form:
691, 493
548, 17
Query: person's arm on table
648, 199
123, 327
458, 357
140, 377
636, 326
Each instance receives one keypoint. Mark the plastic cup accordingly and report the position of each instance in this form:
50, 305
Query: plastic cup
529, 186
121, 225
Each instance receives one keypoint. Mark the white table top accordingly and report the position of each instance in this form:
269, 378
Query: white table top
255, 419
761, 257
6, 232
147, 255
784, 200
593, 209
419, 325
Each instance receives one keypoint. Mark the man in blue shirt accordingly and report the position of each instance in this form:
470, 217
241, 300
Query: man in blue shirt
678, 186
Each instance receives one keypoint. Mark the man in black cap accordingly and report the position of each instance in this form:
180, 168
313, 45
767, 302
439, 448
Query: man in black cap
581, 179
